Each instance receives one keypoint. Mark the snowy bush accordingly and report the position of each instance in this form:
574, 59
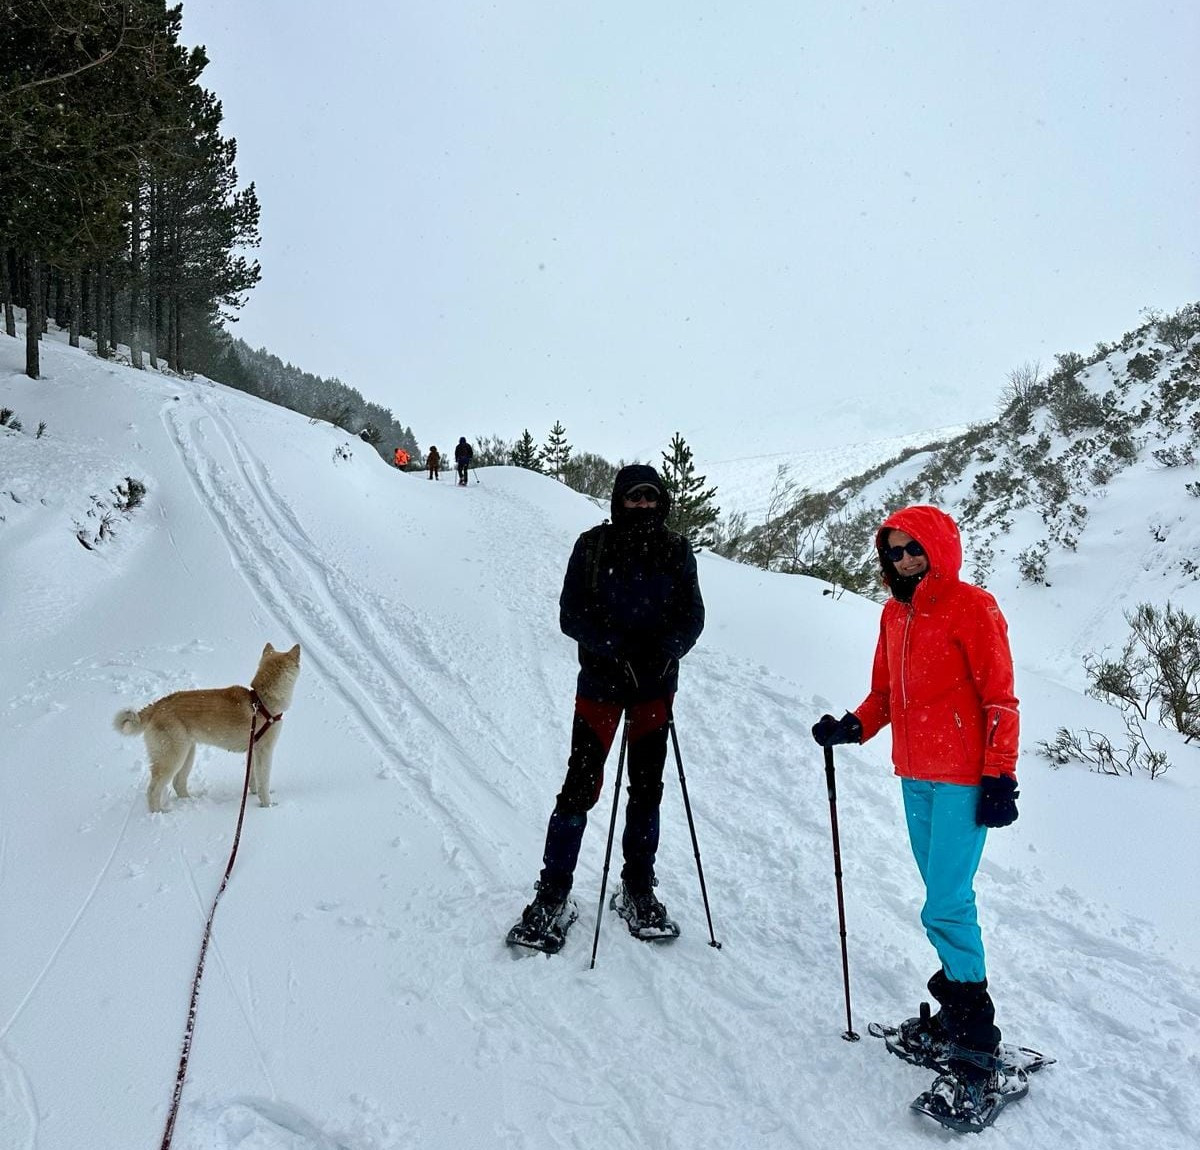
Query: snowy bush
1102, 756
1158, 670
129, 494
1143, 366
1074, 407
1177, 330
1031, 562
1174, 456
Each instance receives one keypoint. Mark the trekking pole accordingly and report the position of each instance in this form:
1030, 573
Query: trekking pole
831, 783
687, 806
612, 826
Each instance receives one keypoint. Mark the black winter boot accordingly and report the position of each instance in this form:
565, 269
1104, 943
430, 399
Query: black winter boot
966, 1022
545, 921
645, 916
969, 1016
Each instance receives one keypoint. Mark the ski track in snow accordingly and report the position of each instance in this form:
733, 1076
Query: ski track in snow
75, 921
203, 904
336, 629
18, 1109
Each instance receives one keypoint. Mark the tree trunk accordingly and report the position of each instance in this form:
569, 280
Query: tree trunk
154, 261
173, 340
135, 276
102, 312
76, 304
172, 320
60, 299
33, 318
10, 320
87, 313
114, 319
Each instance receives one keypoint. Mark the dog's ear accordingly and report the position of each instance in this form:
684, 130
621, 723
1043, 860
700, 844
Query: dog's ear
295, 651
268, 650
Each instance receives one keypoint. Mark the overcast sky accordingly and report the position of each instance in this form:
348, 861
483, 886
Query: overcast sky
764, 224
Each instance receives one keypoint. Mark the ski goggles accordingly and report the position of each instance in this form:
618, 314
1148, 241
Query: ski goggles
895, 554
643, 494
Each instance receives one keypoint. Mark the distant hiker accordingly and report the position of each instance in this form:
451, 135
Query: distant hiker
433, 463
943, 678
401, 457
463, 454
631, 600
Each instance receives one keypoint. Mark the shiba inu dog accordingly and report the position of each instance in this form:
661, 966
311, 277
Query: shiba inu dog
174, 724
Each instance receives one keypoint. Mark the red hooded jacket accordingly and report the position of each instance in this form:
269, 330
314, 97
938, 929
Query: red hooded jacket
943, 673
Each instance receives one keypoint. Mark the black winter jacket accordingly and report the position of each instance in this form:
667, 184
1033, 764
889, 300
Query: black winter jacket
632, 603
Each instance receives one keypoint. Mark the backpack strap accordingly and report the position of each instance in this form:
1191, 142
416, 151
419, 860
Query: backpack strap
593, 552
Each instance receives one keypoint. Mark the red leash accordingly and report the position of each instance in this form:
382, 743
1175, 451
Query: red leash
258, 709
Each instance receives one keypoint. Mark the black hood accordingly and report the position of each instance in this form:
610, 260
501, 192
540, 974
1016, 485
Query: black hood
635, 475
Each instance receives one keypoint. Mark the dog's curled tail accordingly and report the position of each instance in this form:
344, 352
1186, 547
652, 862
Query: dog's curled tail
127, 722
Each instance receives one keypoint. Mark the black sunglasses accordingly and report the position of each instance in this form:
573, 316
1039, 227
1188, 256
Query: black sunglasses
638, 494
895, 554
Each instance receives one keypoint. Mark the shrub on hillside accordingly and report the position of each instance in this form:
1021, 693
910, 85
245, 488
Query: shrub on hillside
1074, 407
1031, 563
490, 451
589, 474
1178, 329
129, 494
1174, 456
1102, 756
1158, 669
1143, 366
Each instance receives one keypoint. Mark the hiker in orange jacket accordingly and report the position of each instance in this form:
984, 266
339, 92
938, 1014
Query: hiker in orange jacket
401, 457
943, 678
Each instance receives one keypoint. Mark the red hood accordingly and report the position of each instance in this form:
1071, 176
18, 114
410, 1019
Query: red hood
936, 532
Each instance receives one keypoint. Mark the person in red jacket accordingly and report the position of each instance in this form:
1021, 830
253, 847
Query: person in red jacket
943, 679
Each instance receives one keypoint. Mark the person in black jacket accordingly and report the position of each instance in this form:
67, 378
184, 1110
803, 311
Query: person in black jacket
463, 454
631, 600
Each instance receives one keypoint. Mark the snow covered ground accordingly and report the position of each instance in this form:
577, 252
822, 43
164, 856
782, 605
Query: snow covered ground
358, 994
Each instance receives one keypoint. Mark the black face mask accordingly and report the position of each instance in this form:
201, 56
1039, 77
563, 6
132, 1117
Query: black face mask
903, 586
639, 519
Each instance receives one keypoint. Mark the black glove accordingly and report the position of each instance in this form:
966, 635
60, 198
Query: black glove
646, 671
997, 801
828, 731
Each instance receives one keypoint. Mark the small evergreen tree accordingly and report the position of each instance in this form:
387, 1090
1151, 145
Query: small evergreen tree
557, 451
525, 453
692, 509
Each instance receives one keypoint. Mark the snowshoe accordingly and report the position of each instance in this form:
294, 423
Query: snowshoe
966, 1097
923, 1041
544, 922
645, 916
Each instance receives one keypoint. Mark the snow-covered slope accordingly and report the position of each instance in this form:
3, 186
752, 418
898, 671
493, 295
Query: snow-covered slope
358, 993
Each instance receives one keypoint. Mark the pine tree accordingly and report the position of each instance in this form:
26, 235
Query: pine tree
116, 190
692, 509
557, 451
525, 453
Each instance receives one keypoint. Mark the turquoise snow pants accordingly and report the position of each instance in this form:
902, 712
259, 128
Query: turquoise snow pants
947, 844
